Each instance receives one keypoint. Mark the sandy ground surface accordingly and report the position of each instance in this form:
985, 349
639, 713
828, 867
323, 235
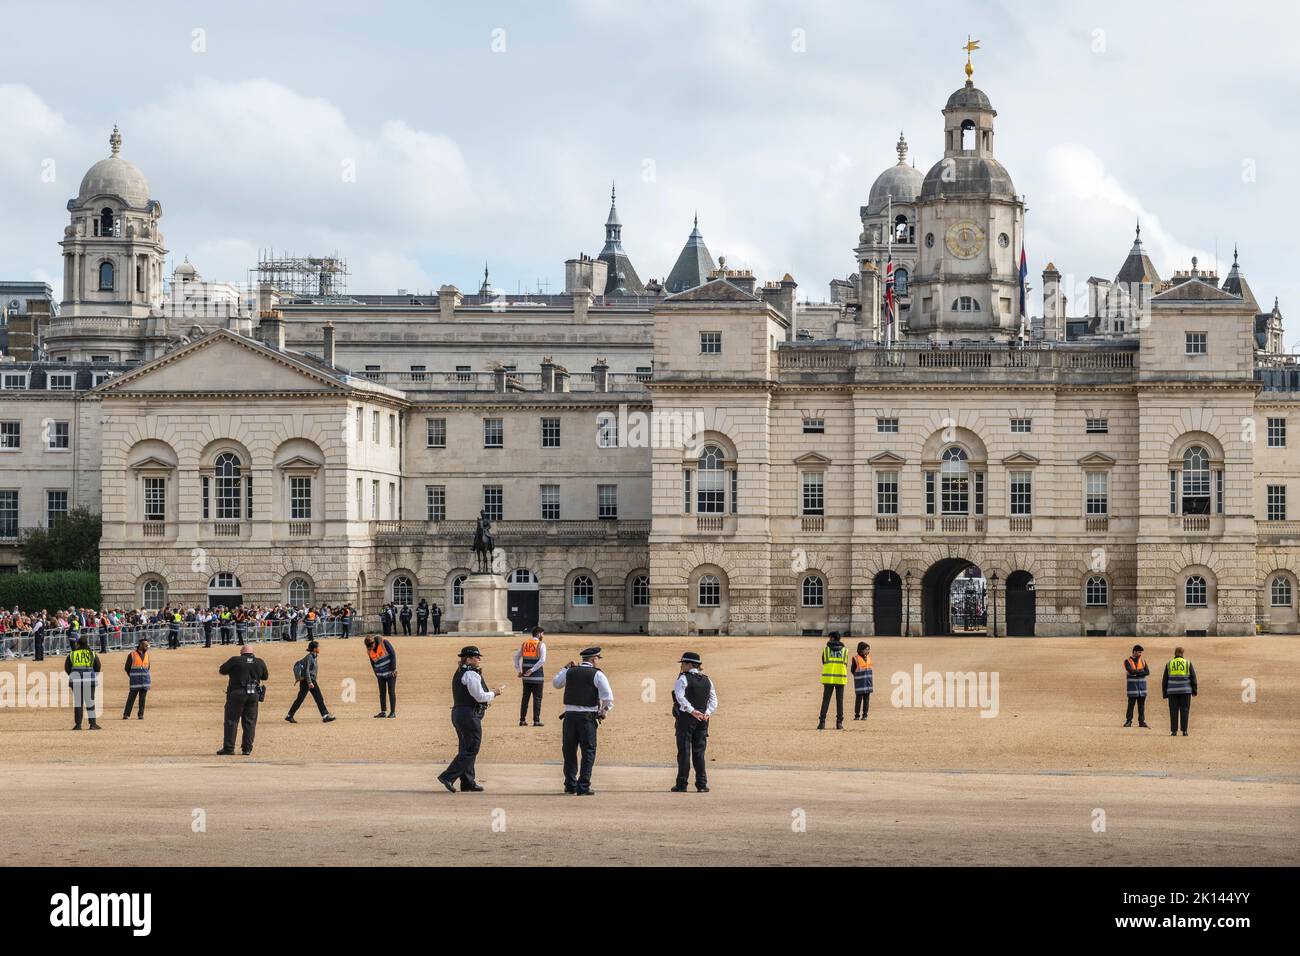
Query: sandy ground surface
912, 785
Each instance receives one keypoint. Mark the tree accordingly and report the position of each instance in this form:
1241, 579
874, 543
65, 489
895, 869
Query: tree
70, 544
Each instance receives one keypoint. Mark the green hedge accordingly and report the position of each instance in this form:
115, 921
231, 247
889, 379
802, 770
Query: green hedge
50, 590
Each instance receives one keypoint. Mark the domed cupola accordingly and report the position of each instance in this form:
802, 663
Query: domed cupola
115, 177
900, 183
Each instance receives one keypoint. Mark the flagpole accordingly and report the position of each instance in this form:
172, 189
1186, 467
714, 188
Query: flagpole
889, 255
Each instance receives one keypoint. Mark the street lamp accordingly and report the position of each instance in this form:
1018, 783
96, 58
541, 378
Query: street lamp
993, 583
907, 578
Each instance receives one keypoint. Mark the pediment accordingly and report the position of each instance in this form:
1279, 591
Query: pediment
1097, 459
812, 458
299, 461
886, 458
223, 362
1020, 458
715, 290
152, 463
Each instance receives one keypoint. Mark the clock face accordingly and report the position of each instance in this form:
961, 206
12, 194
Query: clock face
965, 239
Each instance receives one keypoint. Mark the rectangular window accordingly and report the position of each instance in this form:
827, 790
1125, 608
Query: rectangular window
435, 502
204, 483
710, 343
392, 431
1218, 491
1022, 426
1196, 343
711, 491
735, 490
1173, 491
372, 373
887, 493
374, 426
435, 432
887, 426
299, 498
392, 500
8, 514
1022, 493
1097, 426
979, 492
494, 501
607, 501
550, 433
686, 487
418, 373
11, 434
814, 493
814, 426
374, 500
1096, 494
361, 503
550, 500
56, 506
1277, 502
60, 381
361, 426
230, 500
463, 374
13, 380
929, 492
155, 499
606, 430
1277, 433
60, 435
494, 432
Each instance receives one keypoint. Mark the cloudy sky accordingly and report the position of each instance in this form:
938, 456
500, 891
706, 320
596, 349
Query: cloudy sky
420, 139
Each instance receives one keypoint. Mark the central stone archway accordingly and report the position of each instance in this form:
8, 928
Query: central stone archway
936, 595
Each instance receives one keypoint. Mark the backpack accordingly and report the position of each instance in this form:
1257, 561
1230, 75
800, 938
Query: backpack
300, 669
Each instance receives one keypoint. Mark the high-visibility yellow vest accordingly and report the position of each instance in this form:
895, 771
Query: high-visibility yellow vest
83, 659
835, 665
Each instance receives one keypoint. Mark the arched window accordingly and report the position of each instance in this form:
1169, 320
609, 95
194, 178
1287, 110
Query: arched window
954, 481
710, 591
1196, 481
106, 276
584, 591
814, 591
901, 279
229, 473
904, 231
1195, 592
965, 303
967, 134
458, 591
1280, 591
522, 577
223, 580
403, 590
1096, 592
711, 485
641, 591
105, 223
299, 592
154, 595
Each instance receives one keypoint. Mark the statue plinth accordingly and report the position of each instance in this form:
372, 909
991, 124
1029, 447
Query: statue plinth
485, 607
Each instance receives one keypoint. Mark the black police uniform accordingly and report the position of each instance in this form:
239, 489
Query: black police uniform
422, 618
245, 674
467, 719
692, 734
580, 727
406, 619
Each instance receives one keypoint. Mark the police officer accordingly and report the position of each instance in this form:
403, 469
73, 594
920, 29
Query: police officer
308, 683
82, 667
422, 618
227, 626
587, 699
205, 618
245, 674
173, 617
863, 681
38, 637
137, 672
383, 661
406, 619
835, 675
694, 701
529, 661
436, 614
386, 619
469, 699
1136, 672
1179, 687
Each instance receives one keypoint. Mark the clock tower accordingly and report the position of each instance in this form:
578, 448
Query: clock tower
970, 225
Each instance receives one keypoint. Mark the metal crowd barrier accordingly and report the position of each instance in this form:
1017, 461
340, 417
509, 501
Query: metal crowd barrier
59, 641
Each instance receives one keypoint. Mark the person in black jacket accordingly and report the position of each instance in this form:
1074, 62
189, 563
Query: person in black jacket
422, 617
436, 614
469, 699
243, 692
82, 667
694, 701
406, 619
1178, 686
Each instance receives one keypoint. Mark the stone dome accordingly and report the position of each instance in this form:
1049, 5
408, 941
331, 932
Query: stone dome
970, 97
115, 176
960, 176
900, 182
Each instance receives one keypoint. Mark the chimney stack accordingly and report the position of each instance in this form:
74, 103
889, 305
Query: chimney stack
600, 375
328, 353
548, 374
271, 330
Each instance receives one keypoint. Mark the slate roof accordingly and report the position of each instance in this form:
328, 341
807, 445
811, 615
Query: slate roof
693, 264
715, 290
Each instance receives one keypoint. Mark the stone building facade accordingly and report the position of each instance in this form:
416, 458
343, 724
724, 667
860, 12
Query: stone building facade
700, 455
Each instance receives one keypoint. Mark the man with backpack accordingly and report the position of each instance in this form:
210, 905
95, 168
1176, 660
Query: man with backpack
305, 673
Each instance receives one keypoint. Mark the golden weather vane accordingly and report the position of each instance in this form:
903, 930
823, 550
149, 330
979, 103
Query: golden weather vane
970, 45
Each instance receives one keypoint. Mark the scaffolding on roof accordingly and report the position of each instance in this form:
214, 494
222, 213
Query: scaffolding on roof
303, 277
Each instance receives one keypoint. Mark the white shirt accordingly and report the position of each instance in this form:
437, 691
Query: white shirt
603, 690
684, 705
541, 658
473, 682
